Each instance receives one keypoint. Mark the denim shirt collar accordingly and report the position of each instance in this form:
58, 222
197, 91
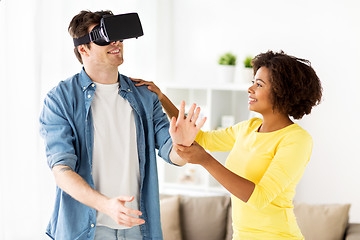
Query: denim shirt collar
86, 82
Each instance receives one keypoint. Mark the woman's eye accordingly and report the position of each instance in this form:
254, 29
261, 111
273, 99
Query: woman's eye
258, 85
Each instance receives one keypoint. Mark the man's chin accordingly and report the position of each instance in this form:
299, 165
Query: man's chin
119, 62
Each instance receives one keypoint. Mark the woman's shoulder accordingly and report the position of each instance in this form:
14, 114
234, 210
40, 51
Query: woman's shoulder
246, 127
254, 121
251, 124
296, 133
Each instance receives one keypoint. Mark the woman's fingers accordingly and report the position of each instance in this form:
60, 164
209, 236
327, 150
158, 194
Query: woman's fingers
178, 147
140, 82
136, 79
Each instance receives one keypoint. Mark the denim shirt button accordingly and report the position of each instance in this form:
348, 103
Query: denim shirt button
93, 85
92, 225
129, 90
89, 96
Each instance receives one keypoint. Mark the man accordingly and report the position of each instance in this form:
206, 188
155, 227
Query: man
100, 133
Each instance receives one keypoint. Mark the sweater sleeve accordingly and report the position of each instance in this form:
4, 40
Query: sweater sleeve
218, 140
290, 159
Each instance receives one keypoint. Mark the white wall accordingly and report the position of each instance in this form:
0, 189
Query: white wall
325, 32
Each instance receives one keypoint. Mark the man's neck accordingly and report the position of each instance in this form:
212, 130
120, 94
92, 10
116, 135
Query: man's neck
102, 75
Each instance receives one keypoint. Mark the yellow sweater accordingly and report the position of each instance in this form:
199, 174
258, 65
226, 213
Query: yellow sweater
275, 162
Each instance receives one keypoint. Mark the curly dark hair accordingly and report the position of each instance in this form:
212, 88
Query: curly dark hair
79, 26
295, 86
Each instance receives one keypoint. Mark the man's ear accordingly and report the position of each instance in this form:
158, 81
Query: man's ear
83, 50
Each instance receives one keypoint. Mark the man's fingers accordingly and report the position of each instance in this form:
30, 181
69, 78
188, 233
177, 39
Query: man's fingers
129, 224
129, 220
181, 111
129, 211
126, 198
172, 126
201, 123
191, 112
196, 115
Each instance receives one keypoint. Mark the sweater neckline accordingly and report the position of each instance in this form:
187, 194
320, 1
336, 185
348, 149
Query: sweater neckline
276, 131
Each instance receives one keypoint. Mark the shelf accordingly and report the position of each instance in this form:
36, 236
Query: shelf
218, 102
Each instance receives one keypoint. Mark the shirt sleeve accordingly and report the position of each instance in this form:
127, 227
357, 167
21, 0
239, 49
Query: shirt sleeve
161, 128
218, 140
57, 134
289, 162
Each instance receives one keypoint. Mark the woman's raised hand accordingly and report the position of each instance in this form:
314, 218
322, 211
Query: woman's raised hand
183, 130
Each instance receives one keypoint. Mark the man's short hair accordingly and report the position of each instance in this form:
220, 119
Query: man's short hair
79, 26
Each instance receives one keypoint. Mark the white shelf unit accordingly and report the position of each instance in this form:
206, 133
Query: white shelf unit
215, 101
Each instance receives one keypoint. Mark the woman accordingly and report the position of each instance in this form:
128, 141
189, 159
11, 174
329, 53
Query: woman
267, 156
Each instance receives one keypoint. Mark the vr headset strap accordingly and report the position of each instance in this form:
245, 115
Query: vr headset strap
81, 40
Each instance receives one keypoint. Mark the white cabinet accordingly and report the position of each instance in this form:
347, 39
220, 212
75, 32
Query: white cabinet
215, 101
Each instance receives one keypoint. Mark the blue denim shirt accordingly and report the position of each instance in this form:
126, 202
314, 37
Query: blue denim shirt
67, 128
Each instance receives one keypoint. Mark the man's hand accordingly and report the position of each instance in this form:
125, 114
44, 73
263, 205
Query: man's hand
73, 184
115, 208
183, 131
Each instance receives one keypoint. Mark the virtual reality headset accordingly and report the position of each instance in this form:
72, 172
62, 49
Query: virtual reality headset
113, 28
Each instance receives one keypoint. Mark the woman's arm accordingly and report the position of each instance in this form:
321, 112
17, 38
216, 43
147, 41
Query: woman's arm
184, 129
236, 185
168, 106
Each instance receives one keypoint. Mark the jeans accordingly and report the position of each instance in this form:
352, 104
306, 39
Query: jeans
105, 233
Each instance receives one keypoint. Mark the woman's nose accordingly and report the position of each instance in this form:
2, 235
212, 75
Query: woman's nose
250, 90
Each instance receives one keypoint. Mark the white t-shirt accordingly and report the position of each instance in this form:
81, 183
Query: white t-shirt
115, 165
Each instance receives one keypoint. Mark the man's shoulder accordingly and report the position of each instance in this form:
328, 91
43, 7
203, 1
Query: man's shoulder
68, 85
142, 90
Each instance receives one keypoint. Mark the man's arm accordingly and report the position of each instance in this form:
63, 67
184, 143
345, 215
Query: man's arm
176, 159
58, 138
73, 184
